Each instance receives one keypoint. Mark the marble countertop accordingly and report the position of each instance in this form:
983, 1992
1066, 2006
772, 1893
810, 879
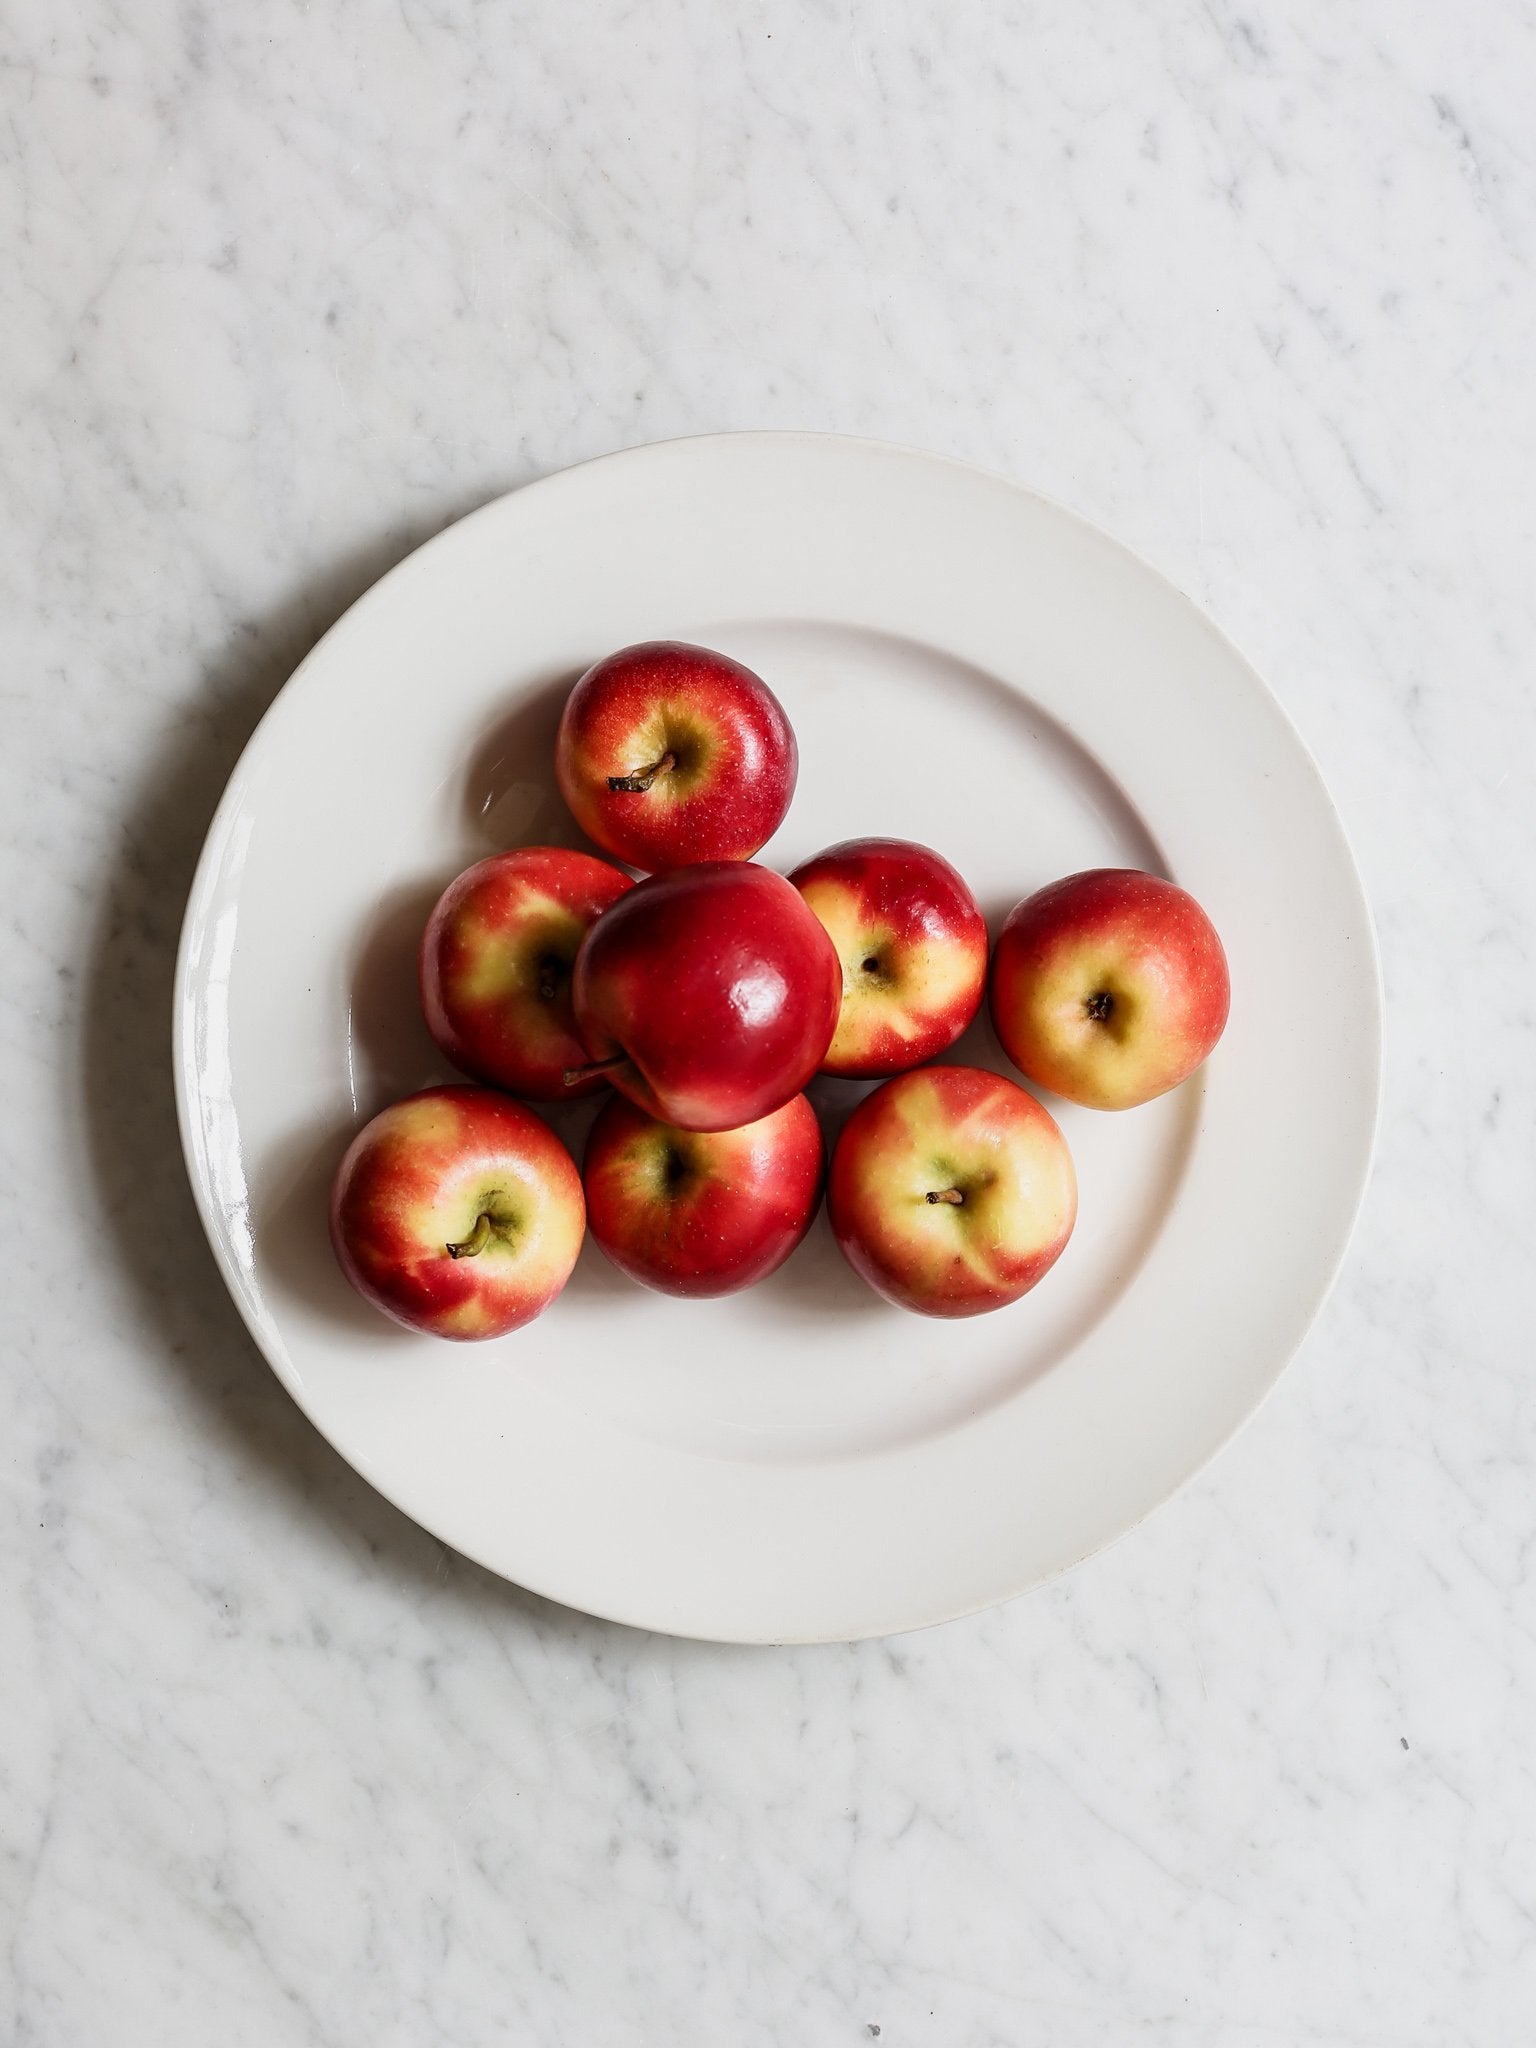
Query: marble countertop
286, 290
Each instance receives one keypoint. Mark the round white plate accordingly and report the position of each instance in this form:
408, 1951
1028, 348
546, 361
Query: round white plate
965, 664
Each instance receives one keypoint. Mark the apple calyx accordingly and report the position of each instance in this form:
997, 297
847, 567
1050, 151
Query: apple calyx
1100, 1005
951, 1195
573, 1075
641, 780
477, 1240
550, 971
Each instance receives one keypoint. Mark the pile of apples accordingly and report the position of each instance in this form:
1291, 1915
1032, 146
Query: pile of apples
706, 995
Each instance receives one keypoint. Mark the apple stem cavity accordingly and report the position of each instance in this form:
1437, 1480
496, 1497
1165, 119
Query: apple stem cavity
951, 1195
638, 783
476, 1241
573, 1075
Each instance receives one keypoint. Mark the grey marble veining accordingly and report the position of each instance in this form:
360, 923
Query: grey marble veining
285, 290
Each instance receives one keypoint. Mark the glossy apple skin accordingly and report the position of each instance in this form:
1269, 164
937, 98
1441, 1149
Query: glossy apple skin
734, 765
496, 961
699, 1213
913, 948
416, 1179
951, 1128
1109, 987
717, 985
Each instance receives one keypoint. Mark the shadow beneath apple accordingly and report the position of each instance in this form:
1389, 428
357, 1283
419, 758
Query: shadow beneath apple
817, 1284
511, 795
124, 1100
290, 1216
977, 1046
393, 1051
597, 1279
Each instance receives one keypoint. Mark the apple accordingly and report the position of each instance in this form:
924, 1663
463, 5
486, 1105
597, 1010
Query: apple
1109, 987
913, 948
708, 995
457, 1212
701, 1212
951, 1191
496, 960
669, 754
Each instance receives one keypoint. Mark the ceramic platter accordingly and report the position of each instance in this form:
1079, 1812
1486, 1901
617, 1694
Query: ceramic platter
964, 664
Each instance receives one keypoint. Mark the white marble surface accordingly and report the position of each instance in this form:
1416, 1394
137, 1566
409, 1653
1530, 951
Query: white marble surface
286, 288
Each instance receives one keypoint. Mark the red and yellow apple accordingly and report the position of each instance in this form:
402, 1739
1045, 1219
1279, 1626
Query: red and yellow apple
708, 996
701, 1212
951, 1191
496, 960
457, 1212
1109, 987
669, 754
913, 948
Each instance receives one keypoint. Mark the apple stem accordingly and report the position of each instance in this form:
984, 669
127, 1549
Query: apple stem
611, 1066
476, 1241
951, 1195
642, 778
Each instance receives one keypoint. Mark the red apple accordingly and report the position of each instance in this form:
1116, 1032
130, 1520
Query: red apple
951, 1191
701, 1212
1109, 987
496, 960
457, 1212
669, 754
709, 995
913, 948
